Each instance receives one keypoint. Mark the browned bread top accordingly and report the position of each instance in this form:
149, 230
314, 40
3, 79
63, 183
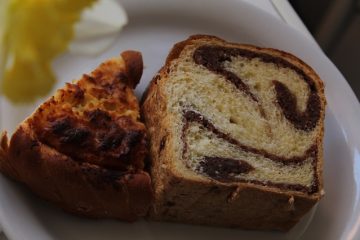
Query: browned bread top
84, 148
98, 114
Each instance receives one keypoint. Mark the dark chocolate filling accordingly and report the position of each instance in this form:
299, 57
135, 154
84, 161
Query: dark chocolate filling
214, 57
306, 120
224, 169
192, 116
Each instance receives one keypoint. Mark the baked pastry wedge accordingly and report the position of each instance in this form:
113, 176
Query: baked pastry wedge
236, 135
84, 149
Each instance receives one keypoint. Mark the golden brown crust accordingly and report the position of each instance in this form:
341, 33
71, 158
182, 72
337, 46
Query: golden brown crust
178, 47
210, 202
133, 67
80, 188
84, 148
229, 205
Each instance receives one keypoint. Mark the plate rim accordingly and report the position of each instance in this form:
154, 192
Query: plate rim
347, 117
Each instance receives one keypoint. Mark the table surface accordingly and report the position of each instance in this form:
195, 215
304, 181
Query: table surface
279, 8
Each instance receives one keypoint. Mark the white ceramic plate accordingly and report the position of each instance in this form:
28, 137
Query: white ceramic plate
154, 27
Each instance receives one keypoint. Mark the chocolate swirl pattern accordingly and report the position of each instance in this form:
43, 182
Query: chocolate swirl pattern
235, 135
252, 108
213, 57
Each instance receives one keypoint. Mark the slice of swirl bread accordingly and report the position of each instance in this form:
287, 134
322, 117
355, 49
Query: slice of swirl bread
84, 148
236, 135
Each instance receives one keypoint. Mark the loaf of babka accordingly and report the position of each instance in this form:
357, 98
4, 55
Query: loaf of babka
84, 148
236, 135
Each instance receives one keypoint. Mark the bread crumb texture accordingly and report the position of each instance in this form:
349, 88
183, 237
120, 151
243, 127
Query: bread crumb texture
257, 124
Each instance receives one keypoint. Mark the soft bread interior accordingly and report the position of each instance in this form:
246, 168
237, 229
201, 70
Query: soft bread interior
261, 124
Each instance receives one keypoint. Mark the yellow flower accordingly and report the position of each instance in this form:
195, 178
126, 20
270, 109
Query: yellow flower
34, 33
